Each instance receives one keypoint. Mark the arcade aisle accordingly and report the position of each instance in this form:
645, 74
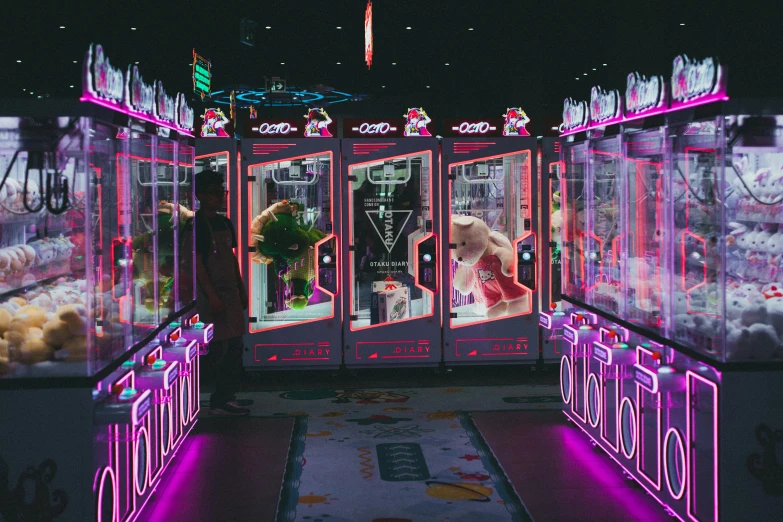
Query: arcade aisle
399, 454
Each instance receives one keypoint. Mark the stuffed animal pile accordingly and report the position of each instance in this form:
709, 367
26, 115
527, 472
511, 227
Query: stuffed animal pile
758, 191
22, 265
11, 198
46, 324
485, 267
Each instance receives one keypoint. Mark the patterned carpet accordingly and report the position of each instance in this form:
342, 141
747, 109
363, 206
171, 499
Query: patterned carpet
409, 454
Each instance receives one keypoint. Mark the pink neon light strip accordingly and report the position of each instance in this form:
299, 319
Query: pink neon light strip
97, 101
691, 475
405, 356
640, 354
616, 445
305, 359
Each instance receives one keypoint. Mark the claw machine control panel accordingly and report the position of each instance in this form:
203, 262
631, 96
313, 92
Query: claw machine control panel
490, 251
290, 224
393, 228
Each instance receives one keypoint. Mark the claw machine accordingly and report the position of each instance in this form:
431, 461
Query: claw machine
289, 230
491, 227
392, 227
90, 274
217, 149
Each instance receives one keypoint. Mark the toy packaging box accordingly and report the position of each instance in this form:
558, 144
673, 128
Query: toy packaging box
392, 304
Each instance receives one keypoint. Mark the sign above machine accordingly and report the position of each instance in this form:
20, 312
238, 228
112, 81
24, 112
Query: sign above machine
416, 122
317, 124
107, 86
693, 82
511, 124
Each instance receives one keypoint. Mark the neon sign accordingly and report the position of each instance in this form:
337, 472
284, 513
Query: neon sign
164, 104
202, 75
185, 114
368, 34
213, 124
642, 94
691, 79
374, 128
515, 121
104, 80
275, 128
574, 115
142, 95
108, 86
604, 106
481, 127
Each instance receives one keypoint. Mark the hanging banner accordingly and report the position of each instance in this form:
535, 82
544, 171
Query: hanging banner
202, 75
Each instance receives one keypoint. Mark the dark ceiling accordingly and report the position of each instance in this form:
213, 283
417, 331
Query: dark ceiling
525, 53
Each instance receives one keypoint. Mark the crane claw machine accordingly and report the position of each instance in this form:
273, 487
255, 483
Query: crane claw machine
491, 228
289, 233
391, 202
91, 271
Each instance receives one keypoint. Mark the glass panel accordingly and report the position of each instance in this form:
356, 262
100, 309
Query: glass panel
572, 198
291, 215
696, 197
603, 257
187, 198
111, 245
145, 242
389, 202
218, 162
490, 219
644, 243
167, 225
45, 306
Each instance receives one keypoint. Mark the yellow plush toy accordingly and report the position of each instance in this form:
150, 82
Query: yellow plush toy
5, 320
33, 315
34, 351
4, 358
75, 316
56, 332
16, 333
77, 349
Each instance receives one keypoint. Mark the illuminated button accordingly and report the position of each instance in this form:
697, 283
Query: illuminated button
612, 334
552, 306
127, 393
585, 327
427, 258
558, 313
645, 345
666, 369
656, 356
151, 359
327, 259
526, 256
579, 317
157, 365
176, 325
117, 389
128, 364
199, 325
619, 345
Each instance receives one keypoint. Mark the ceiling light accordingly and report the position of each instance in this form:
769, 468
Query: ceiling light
74, 61
383, 86
268, 26
682, 24
24, 89
339, 27
604, 65
577, 77
62, 27
137, 63
71, 86
555, 128
18, 61
282, 63
133, 28
408, 28
394, 63
595, 69
339, 63
428, 86
447, 63
470, 28
584, 74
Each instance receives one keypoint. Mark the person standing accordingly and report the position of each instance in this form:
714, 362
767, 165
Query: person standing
221, 296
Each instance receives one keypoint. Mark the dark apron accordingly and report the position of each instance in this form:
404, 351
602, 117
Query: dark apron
220, 266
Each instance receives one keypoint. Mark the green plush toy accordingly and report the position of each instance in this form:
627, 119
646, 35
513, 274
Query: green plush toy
283, 239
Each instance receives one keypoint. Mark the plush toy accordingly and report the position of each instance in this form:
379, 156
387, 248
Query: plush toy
75, 316
485, 260
33, 351
4, 358
76, 349
32, 315
5, 320
56, 332
281, 238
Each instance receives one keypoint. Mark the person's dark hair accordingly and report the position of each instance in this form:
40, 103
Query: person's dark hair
206, 179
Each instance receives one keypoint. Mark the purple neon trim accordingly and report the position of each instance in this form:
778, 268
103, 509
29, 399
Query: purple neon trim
91, 98
600, 445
